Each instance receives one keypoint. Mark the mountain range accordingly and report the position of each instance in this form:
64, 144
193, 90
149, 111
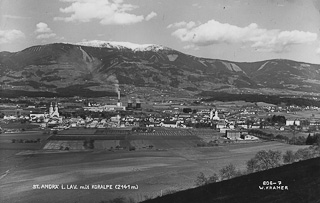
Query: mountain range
97, 68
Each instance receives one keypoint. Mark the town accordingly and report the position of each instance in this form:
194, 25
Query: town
151, 145
229, 120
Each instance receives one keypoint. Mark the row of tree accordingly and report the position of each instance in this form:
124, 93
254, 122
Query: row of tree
300, 140
263, 160
311, 140
26, 140
271, 99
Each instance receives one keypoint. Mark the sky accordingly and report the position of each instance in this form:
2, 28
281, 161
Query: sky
235, 30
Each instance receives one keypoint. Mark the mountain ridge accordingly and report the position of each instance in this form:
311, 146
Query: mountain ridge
62, 65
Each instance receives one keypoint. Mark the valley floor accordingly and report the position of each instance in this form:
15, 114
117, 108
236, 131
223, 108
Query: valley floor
153, 171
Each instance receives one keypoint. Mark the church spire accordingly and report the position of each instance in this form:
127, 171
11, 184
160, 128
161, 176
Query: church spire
50, 109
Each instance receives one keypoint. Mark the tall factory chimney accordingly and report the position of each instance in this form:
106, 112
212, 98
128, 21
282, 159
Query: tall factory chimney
117, 89
119, 103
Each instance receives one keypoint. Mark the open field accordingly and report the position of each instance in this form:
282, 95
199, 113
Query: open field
305, 114
286, 133
299, 182
18, 125
152, 170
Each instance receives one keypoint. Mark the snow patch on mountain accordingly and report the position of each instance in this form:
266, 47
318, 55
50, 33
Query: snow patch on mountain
123, 45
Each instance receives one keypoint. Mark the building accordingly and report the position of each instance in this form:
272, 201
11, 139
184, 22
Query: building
169, 124
53, 112
129, 105
293, 122
239, 135
108, 107
214, 117
51, 118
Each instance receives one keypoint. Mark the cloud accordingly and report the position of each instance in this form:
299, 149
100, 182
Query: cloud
316, 4
318, 50
189, 25
191, 46
151, 15
8, 36
196, 5
43, 31
108, 12
214, 32
46, 35
42, 28
15, 17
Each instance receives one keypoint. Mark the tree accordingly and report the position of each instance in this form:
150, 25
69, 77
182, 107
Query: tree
228, 172
288, 157
315, 139
309, 140
187, 110
264, 160
303, 154
213, 179
251, 165
201, 179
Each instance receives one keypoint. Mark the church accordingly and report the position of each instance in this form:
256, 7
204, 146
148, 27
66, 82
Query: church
53, 112
215, 117
53, 117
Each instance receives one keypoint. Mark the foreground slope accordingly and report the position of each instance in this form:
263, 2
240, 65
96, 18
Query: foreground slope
301, 178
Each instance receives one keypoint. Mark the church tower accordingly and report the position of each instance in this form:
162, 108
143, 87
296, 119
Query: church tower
50, 109
211, 114
53, 112
216, 116
56, 108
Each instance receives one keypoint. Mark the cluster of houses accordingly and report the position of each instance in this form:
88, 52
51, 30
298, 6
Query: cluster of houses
225, 120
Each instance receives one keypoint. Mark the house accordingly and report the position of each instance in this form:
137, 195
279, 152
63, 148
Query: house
291, 122
169, 124
233, 134
238, 135
315, 122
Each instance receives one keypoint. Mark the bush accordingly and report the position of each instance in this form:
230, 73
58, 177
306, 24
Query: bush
315, 139
213, 179
264, 160
201, 144
201, 180
298, 140
251, 165
303, 154
132, 148
289, 157
228, 172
